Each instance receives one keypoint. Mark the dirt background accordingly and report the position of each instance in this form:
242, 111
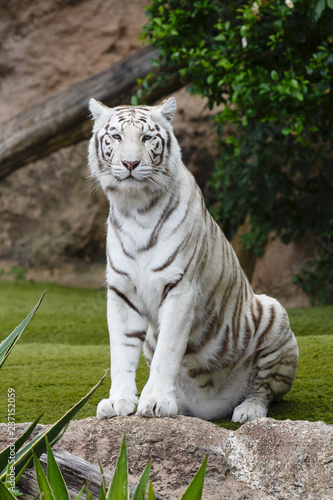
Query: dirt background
52, 219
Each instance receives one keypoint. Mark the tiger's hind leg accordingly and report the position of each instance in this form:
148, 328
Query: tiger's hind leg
274, 366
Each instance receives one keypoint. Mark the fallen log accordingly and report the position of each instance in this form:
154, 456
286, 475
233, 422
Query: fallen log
76, 473
63, 119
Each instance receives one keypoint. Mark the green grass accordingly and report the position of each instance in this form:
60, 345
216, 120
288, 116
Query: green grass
65, 351
67, 315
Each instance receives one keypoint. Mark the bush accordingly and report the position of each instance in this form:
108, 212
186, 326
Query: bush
270, 63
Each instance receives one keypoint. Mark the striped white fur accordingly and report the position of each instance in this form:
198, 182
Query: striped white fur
175, 285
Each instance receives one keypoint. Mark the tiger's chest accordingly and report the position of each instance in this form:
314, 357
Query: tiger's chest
143, 260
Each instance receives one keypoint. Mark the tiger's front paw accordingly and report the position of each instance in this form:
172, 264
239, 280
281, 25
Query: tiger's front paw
108, 408
150, 406
249, 410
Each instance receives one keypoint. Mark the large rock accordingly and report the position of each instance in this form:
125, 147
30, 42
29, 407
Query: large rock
264, 459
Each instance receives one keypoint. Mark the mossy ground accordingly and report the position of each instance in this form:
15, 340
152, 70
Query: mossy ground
65, 351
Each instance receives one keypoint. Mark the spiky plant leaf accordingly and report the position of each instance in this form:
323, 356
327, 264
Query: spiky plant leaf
44, 486
140, 490
4, 455
194, 491
119, 485
9, 480
102, 492
151, 494
5, 494
89, 494
78, 497
54, 476
7, 345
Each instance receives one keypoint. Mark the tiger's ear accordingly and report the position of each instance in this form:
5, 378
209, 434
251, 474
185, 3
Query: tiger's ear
97, 108
168, 108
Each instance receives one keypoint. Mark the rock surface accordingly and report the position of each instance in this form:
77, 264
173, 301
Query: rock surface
273, 271
263, 459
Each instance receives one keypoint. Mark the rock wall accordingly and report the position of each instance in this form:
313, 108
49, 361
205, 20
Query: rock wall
51, 216
264, 459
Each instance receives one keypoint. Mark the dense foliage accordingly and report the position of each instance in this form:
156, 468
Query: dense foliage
270, 63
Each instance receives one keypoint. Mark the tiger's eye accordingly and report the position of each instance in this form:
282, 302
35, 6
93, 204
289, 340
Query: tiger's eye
116, 137
146, 138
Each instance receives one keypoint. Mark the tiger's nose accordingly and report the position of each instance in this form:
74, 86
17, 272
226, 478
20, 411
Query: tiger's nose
130, 165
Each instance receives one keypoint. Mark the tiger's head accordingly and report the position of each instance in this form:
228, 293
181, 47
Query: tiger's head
133, 149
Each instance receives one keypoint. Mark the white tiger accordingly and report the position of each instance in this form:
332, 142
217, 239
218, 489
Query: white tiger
175, 285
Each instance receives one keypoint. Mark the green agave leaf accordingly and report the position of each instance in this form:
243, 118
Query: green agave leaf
119, 485
5, 494
102, 493
89, 494
194, 491
4, 455
54, 476
43, 483
140, 490
8, 482
53, 434
78, 497
151, 494
7, 345
18, 476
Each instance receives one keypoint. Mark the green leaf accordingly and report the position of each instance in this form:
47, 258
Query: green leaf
53, 434
5, 494
89, 494
274, 75
244, 120
194, 491
151, 494
43, 483
54, 476
140, 490
210, 79
330, 4
320, 6
102, 493
78, 497
220, 37
4, 455
298, 96
10, 481
7, 345
119, 485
